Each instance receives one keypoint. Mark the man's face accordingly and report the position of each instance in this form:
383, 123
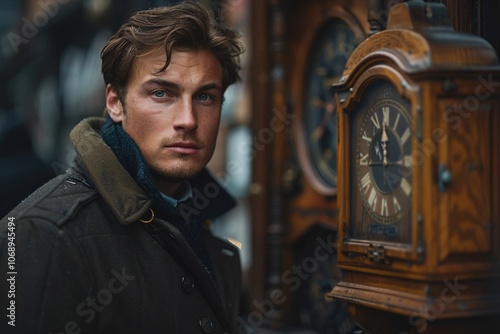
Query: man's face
173, 116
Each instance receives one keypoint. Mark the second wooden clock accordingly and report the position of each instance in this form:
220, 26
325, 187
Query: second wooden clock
328, 55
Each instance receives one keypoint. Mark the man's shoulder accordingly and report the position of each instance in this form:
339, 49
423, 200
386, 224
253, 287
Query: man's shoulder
57, 201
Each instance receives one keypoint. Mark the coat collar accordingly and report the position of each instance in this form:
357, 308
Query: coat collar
126, 199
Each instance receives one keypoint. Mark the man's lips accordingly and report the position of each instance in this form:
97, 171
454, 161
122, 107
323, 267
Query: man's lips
183, 147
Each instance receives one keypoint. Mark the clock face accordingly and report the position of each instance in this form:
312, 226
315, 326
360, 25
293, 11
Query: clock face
327, 60
381, 165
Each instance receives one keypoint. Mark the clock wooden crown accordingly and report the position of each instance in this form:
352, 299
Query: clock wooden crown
419, 169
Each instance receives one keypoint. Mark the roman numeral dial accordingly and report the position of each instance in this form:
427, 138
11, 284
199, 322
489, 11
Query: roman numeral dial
383, 160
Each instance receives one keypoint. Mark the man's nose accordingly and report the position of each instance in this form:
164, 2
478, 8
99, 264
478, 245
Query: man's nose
185, 117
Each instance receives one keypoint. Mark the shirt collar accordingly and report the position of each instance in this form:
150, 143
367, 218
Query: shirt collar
186, 195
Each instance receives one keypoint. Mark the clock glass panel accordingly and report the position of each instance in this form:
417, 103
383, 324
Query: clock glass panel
381, 165
328, 56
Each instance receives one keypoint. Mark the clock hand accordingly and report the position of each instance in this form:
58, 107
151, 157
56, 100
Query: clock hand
384, 141
318, 133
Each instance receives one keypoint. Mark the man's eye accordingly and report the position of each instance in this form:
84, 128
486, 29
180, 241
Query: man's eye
204, 97
159, 93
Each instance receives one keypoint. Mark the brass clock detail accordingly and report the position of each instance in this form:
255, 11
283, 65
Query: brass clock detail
381, 160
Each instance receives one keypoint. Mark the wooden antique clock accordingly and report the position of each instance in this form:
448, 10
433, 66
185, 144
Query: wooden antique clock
419, 178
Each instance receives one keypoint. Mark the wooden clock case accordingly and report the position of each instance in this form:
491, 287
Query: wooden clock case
446, 278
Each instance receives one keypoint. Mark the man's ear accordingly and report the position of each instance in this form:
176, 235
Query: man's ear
114, 105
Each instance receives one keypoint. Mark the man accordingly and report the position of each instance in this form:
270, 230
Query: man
120, 242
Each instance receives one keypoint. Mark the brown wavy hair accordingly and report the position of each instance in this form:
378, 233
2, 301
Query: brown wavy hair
187, 26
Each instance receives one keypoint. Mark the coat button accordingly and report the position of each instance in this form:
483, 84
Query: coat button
188, 284
206, 325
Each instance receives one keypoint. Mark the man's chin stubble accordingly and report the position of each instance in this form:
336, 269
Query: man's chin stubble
175, 176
